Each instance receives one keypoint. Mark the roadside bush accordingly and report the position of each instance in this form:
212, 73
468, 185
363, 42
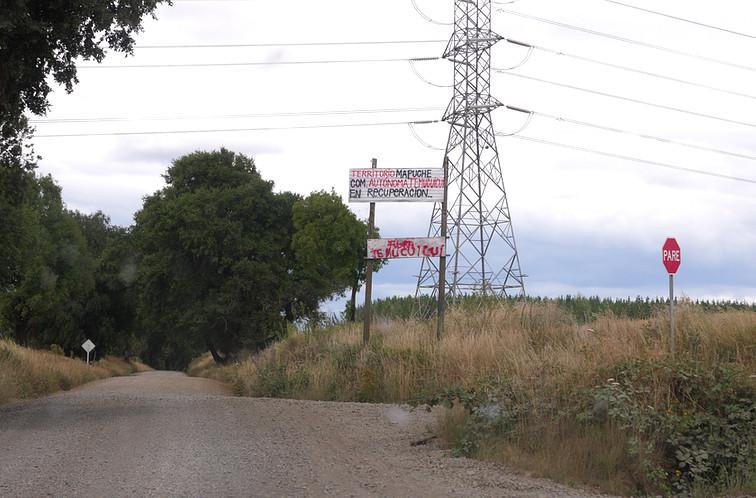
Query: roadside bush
28, 373
699, 422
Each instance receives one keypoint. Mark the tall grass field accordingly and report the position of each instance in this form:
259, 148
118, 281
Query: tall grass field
28, 373
599, 403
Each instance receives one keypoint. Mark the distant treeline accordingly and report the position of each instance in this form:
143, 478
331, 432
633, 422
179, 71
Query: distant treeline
584, 309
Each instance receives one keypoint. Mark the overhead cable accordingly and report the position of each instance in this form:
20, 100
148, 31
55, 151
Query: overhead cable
522, 62
634, 159
632, 133
624, 68
294, 44
340, 112
427, 17
683, 19
263, 63
231, 130
632, 100
629, 40
522, 128
424, 80
419, 139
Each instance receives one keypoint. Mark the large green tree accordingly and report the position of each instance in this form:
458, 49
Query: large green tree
110, 310
225, 262
329, 244
213, 248
46, 302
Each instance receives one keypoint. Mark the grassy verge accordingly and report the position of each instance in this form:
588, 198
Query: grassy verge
27, 373
600, 404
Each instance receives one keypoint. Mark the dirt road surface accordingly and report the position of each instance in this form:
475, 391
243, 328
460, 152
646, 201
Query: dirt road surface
164, 434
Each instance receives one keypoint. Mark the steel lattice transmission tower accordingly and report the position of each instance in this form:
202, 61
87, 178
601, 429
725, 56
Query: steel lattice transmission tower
481, 248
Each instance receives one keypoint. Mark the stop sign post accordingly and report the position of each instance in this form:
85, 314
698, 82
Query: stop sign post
671, 258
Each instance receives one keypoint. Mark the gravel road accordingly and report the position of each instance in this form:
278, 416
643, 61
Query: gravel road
165, 434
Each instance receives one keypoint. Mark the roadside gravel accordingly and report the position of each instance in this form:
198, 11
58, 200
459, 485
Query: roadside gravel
165, 434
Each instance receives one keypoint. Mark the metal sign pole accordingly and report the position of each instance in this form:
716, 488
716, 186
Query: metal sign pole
672, 314
367, 309
87, 357
442, 259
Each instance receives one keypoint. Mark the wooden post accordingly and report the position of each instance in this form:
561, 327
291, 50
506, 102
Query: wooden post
367, 309
442, 259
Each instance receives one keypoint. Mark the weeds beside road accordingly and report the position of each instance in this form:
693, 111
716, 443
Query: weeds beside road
28, 373
601, 404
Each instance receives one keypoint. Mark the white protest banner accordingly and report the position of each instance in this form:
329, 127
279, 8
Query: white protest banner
396, 185
411, 247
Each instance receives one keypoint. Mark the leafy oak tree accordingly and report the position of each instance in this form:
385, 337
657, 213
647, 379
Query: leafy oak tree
40, 42
330, 245
212, 260
46, 302
225, 262
110, 310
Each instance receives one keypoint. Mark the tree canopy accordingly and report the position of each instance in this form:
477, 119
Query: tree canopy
225, 262
41, 40
216, 260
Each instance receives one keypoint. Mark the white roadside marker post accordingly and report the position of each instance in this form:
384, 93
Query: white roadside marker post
88, 346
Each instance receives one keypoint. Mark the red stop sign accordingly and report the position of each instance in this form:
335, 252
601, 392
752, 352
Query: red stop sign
671, 256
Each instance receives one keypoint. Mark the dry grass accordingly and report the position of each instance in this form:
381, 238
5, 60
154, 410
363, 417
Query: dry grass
538, 348
27, 373
540, 353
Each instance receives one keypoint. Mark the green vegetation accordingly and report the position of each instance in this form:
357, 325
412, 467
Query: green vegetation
42, 41
215, 261
66, 276
598, 403
226, 264
27, 373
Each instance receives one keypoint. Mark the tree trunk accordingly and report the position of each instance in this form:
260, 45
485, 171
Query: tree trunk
216, 356
353, 303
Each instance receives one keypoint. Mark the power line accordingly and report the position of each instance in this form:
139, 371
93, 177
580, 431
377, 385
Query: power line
420, 139
271, 63
633, 133
682, 19
234, 116
629, 69
293, 44
634, 101
628, 40
424, 80
230, 130
634, 159
427, 17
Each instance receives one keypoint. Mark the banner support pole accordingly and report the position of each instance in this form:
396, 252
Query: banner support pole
367, 308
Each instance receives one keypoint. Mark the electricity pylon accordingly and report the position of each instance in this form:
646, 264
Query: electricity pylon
481, 250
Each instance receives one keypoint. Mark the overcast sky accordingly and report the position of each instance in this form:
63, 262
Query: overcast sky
584, 223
